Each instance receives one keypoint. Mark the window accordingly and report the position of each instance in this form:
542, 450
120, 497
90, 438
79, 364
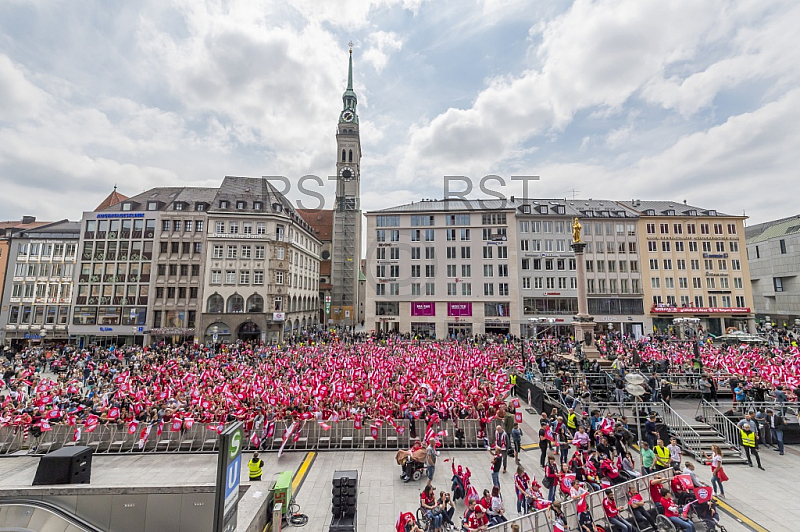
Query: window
452, 289
458, 219
526, 283
734, 247
663, 229
416, 270
488, 270
724, 283
233, 228
737, 282
394, 289
230, 276
429, 235
488, 289
466, 252
232, 252
394, 271
502, 270
653, 264
683, 282
246, 252
704, 229
693, 247
466, 270
415, 253
782, 244
778, 284
665, 246
466, 289
416, 235
387, 221
524, 227
487, 252
655, 282
740, 302
430, 270
667, 264
524, 245
380, 270
711, 283
451, 252
421, 220
430, 253
218, 251
502, 289
679, 246
380, 235
430, 289
669, 282
718, 229
502, 252
260, 252
415, 289
278, 277
380, 289
216, 276
651, 229
538, 283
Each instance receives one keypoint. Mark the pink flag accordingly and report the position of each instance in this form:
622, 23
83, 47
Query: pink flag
132, 426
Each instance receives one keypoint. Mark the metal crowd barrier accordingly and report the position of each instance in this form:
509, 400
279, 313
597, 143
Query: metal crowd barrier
113, 438
539, 522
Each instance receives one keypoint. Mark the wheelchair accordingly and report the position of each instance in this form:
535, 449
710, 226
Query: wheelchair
412, 470
701, 524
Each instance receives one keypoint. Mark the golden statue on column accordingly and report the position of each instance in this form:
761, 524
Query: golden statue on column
576, 230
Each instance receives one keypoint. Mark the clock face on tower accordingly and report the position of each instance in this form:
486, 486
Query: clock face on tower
346, 173
348, 116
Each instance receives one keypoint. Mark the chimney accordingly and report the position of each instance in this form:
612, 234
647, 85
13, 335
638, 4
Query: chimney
26, 220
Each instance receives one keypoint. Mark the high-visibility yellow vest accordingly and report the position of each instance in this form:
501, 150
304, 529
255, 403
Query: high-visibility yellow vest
572, 421
663, 455
513, 379
748, 440
255, 468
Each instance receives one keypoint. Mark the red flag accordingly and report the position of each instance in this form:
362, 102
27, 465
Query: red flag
324, 425
144, 435
133, 426
160, 427
357, 424
77, 434
515, 403
518, 417
188, 422
176, 425
271, 430
703, 494
582, 506
113, 412
254, 439
373, 430
45, 426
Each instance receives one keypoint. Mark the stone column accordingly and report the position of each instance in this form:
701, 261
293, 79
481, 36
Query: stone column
583, 323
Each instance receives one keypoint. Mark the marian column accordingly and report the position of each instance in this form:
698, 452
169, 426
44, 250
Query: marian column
583, 323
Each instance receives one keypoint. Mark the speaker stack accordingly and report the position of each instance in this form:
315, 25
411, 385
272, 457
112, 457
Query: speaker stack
67, 465
345, 494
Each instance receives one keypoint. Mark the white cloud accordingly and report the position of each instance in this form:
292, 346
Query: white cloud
382, 44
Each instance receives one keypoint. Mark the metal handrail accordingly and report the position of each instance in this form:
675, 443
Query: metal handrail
690, 438
722, 425
52, 509
539, 522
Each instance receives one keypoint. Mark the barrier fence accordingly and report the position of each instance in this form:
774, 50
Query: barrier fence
116, 438
540, 522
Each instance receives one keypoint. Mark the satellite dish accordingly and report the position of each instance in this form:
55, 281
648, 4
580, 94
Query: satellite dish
635, 378
635, 390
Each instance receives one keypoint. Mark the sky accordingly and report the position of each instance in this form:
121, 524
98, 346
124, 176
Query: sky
618, 99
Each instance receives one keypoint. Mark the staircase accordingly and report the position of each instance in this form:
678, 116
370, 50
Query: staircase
696, 438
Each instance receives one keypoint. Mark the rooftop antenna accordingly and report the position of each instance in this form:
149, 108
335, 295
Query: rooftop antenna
574, 193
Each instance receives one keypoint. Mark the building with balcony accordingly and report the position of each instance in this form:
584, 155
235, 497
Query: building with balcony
39, 284
773, 254
262, 266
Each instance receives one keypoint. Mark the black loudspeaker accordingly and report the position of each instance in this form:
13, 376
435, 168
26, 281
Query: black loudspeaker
68, 465
345, 493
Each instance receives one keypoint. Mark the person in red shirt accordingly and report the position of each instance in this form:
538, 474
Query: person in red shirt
478, 522
427, 500
673, 512
636, 504
655, 488
612, 513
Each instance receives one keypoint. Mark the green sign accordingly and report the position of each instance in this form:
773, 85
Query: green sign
229, 473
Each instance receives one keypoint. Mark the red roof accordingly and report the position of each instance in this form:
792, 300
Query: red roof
111, 200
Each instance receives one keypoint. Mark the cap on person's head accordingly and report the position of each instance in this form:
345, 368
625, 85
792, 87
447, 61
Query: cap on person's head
479, 509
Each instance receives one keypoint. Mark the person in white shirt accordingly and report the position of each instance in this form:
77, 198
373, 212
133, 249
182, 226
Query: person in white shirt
688, 469
674, 454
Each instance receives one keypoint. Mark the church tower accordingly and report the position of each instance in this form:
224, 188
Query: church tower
346, 266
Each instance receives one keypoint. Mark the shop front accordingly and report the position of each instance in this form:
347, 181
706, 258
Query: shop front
423, 324
459, 316
715, 321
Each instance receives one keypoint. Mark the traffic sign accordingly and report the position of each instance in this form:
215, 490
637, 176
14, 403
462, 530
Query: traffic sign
229, 472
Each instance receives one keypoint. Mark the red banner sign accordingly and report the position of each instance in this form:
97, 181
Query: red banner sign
700, 310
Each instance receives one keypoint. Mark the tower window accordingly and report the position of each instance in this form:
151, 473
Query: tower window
343, 154
351, 156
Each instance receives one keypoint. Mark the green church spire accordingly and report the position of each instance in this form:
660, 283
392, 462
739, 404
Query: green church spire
349, 97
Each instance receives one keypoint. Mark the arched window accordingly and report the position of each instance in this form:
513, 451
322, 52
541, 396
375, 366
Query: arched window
215, 304
235, 303
343, 154
255, 303
351, 156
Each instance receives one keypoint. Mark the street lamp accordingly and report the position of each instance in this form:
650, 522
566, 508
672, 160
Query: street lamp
635, 388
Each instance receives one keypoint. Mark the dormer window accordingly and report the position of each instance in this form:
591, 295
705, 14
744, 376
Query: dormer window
223, 204
560, 209
152, 205
126, 206
692, 213
277, 207
239, 205
669, 212
199, 207
712, 213
257, 205
526, 209
650, 212
179, 206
